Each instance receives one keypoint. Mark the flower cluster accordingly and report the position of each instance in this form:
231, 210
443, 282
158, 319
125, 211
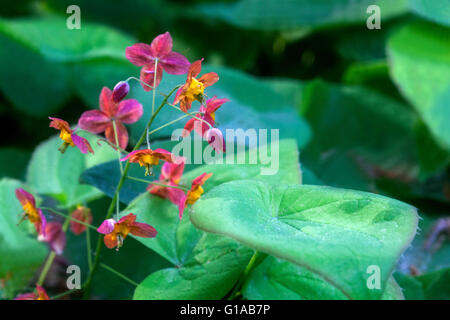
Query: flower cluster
110, 119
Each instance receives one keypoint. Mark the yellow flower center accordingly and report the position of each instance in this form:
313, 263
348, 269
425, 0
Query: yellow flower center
194, 195
31, 212
148, 159
66, 137
195, 90
213, 116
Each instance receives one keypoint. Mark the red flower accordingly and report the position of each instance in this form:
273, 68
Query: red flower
148, 158
33, 214
126, 111
69, 137
170, 174
83, 214
194, 88
116, 232
145, 56
54, 236
194, 194
213, 136
39, 295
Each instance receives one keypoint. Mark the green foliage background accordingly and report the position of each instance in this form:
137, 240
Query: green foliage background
368, 110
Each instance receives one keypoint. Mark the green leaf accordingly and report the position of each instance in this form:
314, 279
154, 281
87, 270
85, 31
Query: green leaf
276, 279
20, 158
253, 104
48, 48
428, 286
436, 11
57, 175
334, 233
21, 253
209, 272
420, 66
361, 154
292, 14
208, 263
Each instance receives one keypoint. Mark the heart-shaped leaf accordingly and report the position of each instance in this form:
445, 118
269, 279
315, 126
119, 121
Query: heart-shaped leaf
335, 233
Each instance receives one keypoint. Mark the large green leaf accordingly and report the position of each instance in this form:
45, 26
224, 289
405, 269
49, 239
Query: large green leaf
437, 11
429, 286
207, 263
254, 104
21, 254
36, 56
334, 233
291, 14
55, 174
276, 279
420, 66
349, 147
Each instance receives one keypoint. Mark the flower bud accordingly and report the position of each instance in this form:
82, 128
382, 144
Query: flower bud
120, 91
215, 139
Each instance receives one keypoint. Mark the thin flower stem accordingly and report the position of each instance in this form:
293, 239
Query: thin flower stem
69, 217
195, 117
116, 136
51, 256
65, 293
117, 273
87, 284
139, 80
174, 121
88, 248
236, 291
157, 183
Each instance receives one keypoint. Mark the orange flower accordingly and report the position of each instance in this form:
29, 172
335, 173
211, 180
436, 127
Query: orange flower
33, 214
194, 88
148, 158
83, 214
194, 194
68, 136
39, 295
116, 231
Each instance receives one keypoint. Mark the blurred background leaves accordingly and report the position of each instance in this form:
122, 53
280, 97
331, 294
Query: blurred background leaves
369, 109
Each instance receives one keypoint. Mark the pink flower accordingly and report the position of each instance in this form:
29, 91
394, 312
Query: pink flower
68, 136
39, 295
213, 136
126, 111
170, 174
54, 236
31, 212
145, 56
116, 231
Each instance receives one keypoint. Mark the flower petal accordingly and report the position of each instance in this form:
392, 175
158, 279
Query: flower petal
94, 121
164, 155
110, 241
175, 63
107, 105
185, 104
173, 171
195, 68
122, 135
143, 230
83, 214
129, 219
159, 191
215, 139
188, 127
59, 124
208, 79
41, 224
107, 226
213, 104
148, 76
82, 143
129, 111
161, 45
200, 180
181, 205
139, 54
42, 294
25, 197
